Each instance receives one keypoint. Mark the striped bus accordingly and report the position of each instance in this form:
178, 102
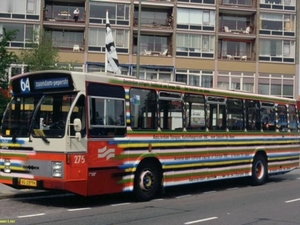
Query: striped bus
94, 134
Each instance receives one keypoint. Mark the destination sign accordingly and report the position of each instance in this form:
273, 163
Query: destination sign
51, 83
42, 82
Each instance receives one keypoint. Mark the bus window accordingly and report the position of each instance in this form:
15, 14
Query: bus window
170, 111
292, 118
143, 109
235, 115
253, 121
216, 113
268, 116
282, 124
195, 112
107, 116
79, 112
17, 118
52, 114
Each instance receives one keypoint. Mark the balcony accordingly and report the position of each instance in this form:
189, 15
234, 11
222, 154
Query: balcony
238, 3
154, 19
67, 40
153, 46
58, 12
235, 51
237, 26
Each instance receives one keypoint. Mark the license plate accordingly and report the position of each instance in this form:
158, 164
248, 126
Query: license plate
30, 183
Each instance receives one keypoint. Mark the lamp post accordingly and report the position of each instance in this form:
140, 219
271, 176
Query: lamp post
138, 41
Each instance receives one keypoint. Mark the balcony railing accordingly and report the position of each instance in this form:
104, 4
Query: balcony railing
235, 30
63, 16
233, 55
154, 23
69, 45
239, 3
145, 50
157, 0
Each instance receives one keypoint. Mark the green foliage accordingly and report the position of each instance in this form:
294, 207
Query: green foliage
40, 53
6, 57
3, 103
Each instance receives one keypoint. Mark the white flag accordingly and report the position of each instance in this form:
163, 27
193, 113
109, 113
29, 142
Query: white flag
112, 62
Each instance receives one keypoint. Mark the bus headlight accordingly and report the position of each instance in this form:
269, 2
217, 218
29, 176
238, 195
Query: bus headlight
57, 169
7, 166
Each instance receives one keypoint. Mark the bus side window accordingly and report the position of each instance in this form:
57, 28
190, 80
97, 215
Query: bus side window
194, 112
268, 116
292, 118
143, 109
282, 124
235, 115
170, 111
253, 121
216, 113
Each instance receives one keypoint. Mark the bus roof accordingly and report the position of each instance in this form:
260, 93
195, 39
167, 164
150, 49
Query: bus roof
79, 79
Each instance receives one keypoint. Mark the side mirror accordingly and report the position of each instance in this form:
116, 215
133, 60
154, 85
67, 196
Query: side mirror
77, 125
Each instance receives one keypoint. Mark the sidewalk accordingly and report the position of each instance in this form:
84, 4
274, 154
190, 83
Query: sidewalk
6, 191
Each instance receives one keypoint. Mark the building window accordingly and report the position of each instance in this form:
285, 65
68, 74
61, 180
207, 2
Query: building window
118, 13
277, 22
236, 81
153, 74
278, 49
23, 35
196, 78
276, 84
195, 17
279, 2
195, 45
96, 41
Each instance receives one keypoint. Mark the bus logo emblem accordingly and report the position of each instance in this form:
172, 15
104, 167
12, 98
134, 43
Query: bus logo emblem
106, 153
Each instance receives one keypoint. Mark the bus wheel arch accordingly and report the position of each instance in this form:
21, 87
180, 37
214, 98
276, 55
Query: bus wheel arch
259, 168
148, 179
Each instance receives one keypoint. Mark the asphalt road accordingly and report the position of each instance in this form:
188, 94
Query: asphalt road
230, 202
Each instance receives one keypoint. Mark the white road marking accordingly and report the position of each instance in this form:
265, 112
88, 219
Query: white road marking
32, 215
126, 203
234, 188
293, 200
208, 192
183, 196
78, 209
202, 220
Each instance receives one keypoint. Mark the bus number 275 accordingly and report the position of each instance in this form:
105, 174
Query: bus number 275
79, 159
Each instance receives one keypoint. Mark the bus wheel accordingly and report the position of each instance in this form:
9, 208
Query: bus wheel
259, 170
147, 181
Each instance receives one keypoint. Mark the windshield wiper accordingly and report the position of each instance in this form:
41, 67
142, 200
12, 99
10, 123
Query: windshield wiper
14, 138
40, 133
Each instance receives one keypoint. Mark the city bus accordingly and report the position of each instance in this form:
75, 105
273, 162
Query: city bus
93, 134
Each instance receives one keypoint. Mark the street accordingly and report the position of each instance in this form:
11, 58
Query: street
230, 202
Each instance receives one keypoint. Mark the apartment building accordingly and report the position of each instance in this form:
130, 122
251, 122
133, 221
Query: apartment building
246, 45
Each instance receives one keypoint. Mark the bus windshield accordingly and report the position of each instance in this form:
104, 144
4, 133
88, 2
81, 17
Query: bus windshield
41, 115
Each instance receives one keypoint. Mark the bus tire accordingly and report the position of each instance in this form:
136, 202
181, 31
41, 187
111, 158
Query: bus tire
259, 170
147, 181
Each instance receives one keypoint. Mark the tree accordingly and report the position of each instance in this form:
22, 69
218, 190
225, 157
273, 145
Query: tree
6, 59
40, 54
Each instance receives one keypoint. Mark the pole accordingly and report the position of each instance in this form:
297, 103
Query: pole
138, 42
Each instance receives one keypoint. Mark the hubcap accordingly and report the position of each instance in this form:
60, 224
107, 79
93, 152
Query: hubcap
146, 180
